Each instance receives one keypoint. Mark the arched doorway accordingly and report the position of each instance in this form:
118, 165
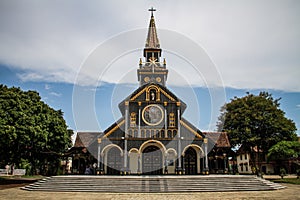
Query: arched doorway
133, 161
190, 161
114, 161
152, 161
171, 157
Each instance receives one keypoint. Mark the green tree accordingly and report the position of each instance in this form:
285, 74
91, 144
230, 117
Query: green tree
256, 122
284, 150
31, 132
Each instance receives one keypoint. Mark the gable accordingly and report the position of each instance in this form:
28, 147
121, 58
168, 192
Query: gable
220, 139
152, 92
85, 139
189, 130
115, 130
145, 94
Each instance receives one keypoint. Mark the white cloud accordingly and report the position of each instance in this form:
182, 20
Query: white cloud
55, 94
254, 44
47, 87
55, 75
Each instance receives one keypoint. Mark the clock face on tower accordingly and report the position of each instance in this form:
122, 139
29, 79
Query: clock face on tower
152, 115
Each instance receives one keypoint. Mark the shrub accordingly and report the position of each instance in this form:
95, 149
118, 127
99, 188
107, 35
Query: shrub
282, 172
298, 173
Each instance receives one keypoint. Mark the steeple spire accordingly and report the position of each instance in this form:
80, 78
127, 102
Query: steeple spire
152, 39
152, 70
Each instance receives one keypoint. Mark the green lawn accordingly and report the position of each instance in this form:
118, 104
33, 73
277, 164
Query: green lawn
288, 180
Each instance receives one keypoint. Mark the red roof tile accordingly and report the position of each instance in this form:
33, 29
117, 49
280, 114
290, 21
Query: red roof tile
84, 139
219, 138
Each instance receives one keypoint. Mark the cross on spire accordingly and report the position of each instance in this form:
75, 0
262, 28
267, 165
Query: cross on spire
152, 10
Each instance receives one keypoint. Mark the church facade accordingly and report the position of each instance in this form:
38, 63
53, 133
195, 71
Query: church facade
152, 136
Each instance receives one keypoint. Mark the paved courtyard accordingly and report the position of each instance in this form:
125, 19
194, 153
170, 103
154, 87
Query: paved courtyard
292, 192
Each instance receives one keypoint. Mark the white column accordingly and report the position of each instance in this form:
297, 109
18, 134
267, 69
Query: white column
125, 136
139, 164
99, 154
179, 136
139, 125
166, 121
141, 80
206, 158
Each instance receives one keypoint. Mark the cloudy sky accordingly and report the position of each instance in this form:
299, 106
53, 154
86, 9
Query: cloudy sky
233, 45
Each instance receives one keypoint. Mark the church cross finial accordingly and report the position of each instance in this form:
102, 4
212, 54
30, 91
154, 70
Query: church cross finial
152, 10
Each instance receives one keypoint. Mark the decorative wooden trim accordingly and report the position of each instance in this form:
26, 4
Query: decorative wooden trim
109, 147
161, 111
167, 95
201, 152
190, 129
156, 72
138, 94
114, 128
155, 143
157, 90
149, 87
133, 150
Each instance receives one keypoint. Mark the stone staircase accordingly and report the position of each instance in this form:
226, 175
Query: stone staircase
145, 184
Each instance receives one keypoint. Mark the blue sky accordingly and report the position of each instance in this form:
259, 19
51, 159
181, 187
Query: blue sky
82, 56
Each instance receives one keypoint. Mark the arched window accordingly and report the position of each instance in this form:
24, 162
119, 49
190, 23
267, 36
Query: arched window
153, 93
135, 133
170, 135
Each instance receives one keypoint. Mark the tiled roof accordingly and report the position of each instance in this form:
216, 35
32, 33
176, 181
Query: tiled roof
84, 139
243, 149
152, 39
219, 138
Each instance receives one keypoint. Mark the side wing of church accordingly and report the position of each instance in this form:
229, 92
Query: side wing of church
152, 137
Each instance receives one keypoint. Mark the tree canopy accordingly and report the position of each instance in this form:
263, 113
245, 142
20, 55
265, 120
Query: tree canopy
285, 150
256, 121
31, 132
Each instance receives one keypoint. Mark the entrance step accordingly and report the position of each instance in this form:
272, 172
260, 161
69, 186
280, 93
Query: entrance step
145, 184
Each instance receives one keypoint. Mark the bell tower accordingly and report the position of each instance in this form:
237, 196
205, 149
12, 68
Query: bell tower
152, 69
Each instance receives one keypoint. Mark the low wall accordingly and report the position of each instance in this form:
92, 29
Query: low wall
18, 172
